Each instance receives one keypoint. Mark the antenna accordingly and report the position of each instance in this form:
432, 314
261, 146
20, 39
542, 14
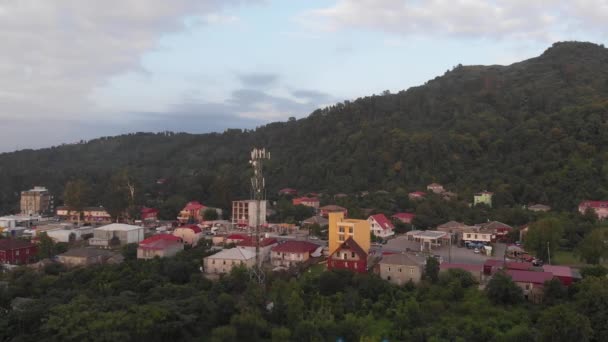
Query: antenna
258, 188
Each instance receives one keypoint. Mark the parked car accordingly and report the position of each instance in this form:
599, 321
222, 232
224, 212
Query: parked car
476, 251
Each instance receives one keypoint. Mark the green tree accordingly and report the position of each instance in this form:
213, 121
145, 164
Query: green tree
543, 237
591, 300
502, 290
210, 214
129, 251
431, 269
594, 271
554, 292
75, 196
563, 323
594, 246
46, 246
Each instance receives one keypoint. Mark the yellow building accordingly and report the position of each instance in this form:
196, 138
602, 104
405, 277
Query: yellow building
341, 229
484, 197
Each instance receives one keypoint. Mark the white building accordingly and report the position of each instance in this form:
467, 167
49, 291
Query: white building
244, 213
125, 233
225, 260
476, 235
63, 235
428, 238
381, 226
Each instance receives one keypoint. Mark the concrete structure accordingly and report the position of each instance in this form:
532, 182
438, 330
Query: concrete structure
125, 233
94, 215
161, 245
340, 229
484, 197
17, 252
320, 220
65, 235
14, 221
599, 207
326, 210
88, 256
531, 282
428, 238
307, 201
348, 256
190, 234
225, 260
381, 226
400, 269
477, 235
436, 188
563, 273
291, 253
266, 245
36, 201
244, 213
475, 270
404, 217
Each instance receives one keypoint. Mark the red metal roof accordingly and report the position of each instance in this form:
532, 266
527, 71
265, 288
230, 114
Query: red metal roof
558, 271
194, 205
523, 266
301, 200
159, 242
418, 193
296, 247
383, 221
594, 204
196, 229
352, 245
10, 244
237, 237
404, 216
466, 267
529, 276
157, 237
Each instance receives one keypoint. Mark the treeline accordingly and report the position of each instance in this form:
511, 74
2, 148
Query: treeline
168, 299
532, 132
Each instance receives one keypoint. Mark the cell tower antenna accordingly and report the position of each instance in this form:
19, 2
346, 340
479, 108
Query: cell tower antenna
258, 188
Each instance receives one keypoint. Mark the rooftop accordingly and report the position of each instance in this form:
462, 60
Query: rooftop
529, 276
558, 271
6, 244
263, 242
382, 221
84, 252
233, 254
399, 259
296, 247
196, 229
466, 267
432, 234
119, 227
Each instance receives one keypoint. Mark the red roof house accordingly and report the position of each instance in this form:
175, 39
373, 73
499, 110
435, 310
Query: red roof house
404, 217
193, 211
291, 253
190, 234
381, 226
537, 279
288, 191
416, 195
324, 211
161, 245
563, 273
149, 213
349, 256
599, 207
307, 201
237, 238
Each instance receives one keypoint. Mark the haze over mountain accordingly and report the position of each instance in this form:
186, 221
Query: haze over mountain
534, 131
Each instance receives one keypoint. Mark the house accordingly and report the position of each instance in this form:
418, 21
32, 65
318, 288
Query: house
326, 210
160, 245
404, 217
288, 191
340, 195
94, 215
416, 195
306, 201
539, 207
599, 207
530, 282
247, 214
190, 234
122, 233
565, 274
474, 270
236, 238
266, 245
290, 253
17, 252
428, 238
225, 260
149, 214
36, 201
381, 226
491, 266
85, 256
448, 195
192, 212
484, 197
436, 188
340, 229
68, 235
498, 229
348, 256
453, 227
474, 234
400, 269
320, 220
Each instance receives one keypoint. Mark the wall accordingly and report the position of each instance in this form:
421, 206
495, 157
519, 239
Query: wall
400, 274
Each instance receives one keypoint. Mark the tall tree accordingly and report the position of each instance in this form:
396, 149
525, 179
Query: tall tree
75, 196
431, 269
563, 323
594, 246
543, 237
502, 290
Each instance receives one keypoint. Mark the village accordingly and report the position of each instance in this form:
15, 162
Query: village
328, 240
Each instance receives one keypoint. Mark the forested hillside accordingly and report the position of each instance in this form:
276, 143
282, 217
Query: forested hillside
534, 131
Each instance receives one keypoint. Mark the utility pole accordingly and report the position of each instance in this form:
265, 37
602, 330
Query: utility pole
258, 188
549, 252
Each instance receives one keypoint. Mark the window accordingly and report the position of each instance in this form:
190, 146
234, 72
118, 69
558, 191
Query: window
411, 270
213, 262
353, 254
341, 229
344, 256
350, 230
355, 265
399, 269
224, 263
389, 269
16, 252
476, 236
468, 236
341, 238
388, 278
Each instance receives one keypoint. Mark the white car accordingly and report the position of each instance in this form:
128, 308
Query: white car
476, 251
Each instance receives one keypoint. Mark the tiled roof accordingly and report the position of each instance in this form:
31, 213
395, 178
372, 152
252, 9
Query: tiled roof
194, 205
399, 259
296, 247
383, 221
320, 220
353, 246
558, 271
333, 207
404, 216
263, 243
418, 193
7, 244
159, 241
466, 267
594, 204
523, 266
237, 237
233, 254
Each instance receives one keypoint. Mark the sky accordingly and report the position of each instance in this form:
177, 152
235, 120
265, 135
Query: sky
74, 70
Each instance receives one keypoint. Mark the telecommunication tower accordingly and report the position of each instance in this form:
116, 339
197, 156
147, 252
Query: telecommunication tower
258, 189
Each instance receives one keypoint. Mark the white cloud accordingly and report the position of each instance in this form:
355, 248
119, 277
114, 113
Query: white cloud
55, 52
542, 20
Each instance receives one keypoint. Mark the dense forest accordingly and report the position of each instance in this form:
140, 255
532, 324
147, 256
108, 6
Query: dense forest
532, 132
169, 299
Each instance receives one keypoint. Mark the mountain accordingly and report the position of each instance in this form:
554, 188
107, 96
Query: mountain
533, 131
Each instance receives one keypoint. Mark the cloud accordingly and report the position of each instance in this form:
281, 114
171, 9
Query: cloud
542, 20
55, 52
258, 80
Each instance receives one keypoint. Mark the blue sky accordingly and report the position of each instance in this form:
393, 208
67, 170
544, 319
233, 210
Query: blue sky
78, 70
